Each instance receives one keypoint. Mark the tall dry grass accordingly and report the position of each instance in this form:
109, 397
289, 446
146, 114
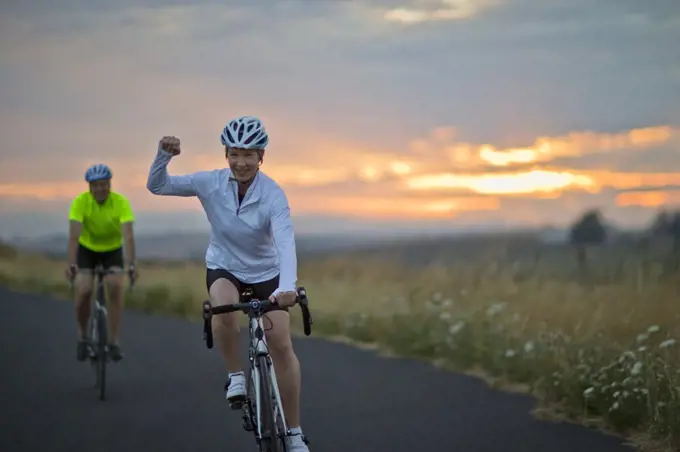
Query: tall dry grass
603, 351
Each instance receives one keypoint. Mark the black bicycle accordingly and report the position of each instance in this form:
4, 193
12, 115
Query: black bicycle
98, 331
262, 410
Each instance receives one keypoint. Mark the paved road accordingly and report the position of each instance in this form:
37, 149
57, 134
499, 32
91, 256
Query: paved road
167, 396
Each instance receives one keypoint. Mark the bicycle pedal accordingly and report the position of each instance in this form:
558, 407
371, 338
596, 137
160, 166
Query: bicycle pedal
236, 403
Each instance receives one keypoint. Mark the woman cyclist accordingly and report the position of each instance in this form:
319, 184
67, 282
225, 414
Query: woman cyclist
252, 244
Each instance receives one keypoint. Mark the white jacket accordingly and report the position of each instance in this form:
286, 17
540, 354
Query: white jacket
254, 241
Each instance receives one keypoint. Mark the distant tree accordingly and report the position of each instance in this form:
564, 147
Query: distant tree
666, 226
587, 231
675, 228
662, 224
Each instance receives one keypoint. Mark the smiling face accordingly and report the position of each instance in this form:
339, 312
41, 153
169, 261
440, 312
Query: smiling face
244, 163
100, 190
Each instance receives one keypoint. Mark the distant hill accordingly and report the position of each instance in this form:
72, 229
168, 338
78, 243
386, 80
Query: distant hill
192, 246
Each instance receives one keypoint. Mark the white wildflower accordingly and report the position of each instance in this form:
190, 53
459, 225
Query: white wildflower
642, 349
588, 392
495, 309
614, 407
637, 369
456, 328
509, 353
447, 303
445, 316
529, 347
642, 337
667, 343
653, 329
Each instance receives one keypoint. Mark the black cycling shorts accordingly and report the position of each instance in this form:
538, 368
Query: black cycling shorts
88, 259
261, 290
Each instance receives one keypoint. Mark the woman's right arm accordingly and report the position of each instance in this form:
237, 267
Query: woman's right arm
160, 183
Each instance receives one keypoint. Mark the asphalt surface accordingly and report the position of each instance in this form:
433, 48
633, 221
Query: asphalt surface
167, 396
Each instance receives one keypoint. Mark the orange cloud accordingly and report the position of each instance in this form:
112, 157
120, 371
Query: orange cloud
466, 155
356, 181
50, 191
499, 184
622, 181
656, 198
391, 207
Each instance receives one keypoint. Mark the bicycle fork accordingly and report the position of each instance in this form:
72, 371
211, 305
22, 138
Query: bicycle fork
100, 315
259, 349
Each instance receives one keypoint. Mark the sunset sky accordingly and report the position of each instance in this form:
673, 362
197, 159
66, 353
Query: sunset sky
430, 113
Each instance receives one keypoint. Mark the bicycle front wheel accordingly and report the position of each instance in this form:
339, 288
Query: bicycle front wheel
272, 438
102, 355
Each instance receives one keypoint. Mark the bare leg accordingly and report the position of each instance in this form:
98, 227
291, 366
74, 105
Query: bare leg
115, 286
83, 300
286, 364
225, 326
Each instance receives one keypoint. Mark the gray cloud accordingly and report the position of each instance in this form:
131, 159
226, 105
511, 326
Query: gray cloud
662, 159
647, 188
500, 78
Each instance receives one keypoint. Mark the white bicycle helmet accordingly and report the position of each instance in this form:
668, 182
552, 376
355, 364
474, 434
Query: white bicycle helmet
245, 132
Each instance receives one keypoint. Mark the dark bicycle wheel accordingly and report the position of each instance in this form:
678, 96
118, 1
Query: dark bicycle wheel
93, 341
271, 440
248, 407
102, 355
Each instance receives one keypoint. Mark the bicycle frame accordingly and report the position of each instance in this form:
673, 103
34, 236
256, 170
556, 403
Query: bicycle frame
258, 354
98, 329
99, 309
258, 348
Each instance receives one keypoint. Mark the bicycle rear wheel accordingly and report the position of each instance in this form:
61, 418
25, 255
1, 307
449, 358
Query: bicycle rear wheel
272, 438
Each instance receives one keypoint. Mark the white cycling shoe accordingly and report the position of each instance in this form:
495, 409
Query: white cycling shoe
236, 395
296, 443
236, 389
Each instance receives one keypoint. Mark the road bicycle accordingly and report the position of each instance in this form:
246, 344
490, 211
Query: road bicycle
262, 409
98, 329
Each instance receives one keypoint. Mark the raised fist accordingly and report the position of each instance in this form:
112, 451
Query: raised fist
170, 144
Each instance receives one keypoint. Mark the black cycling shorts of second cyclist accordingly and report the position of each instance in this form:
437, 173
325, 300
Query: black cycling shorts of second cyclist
88, 259
261, 290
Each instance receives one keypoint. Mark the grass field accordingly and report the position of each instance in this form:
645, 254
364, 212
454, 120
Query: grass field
602, 352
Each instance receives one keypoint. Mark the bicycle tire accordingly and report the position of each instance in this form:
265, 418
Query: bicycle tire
102, 355
93, 340
270, 441
248, 407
